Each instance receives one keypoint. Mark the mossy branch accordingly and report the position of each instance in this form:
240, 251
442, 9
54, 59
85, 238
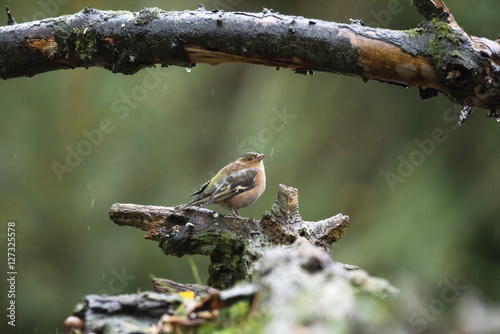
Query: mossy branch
436, 56
201, 231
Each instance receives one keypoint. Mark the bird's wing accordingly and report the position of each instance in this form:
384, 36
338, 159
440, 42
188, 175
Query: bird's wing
233, 184
201, 199
201, 188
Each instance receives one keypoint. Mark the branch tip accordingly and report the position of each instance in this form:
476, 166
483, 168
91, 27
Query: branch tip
441, 4
286, 203
431, 9
10, 19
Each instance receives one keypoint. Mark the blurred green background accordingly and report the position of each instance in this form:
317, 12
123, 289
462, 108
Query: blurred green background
436, 225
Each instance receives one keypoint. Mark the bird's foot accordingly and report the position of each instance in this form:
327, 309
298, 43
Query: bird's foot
236, 214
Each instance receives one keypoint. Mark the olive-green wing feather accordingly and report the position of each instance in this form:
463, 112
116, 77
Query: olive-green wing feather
233, 184
203, 187
221, 187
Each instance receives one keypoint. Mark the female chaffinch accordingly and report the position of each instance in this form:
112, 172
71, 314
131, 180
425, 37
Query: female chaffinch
235, 186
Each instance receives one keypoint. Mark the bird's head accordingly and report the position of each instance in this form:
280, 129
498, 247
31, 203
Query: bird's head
251, 159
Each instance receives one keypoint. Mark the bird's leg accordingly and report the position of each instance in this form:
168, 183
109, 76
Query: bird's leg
236, 214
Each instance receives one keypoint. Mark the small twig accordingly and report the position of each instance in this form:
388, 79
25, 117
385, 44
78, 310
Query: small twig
167, 286
10, 19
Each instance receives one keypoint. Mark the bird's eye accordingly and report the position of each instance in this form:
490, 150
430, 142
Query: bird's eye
249, 159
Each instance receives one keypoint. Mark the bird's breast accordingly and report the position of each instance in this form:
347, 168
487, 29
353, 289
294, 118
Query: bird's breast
248, 197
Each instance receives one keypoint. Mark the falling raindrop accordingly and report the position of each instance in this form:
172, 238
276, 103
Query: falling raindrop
188, 69
88, 229
92, 204
272, 151
165, 87
213, 90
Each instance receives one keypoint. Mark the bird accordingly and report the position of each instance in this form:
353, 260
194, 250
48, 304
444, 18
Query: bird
235, 186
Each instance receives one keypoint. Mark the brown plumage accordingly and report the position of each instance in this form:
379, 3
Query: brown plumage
235, 186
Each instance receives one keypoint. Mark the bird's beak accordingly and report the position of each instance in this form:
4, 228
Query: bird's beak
260, 156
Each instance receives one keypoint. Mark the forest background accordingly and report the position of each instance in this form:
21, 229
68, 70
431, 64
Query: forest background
421, 192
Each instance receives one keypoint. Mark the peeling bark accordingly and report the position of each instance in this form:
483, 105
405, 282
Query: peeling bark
435, 56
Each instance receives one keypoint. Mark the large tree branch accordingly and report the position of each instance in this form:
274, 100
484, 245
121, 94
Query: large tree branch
436, 56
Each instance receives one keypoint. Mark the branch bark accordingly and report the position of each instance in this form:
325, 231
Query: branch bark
436, 56
201, 231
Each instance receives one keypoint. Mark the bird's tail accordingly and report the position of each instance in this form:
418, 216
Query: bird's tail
181, 207
192, 203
